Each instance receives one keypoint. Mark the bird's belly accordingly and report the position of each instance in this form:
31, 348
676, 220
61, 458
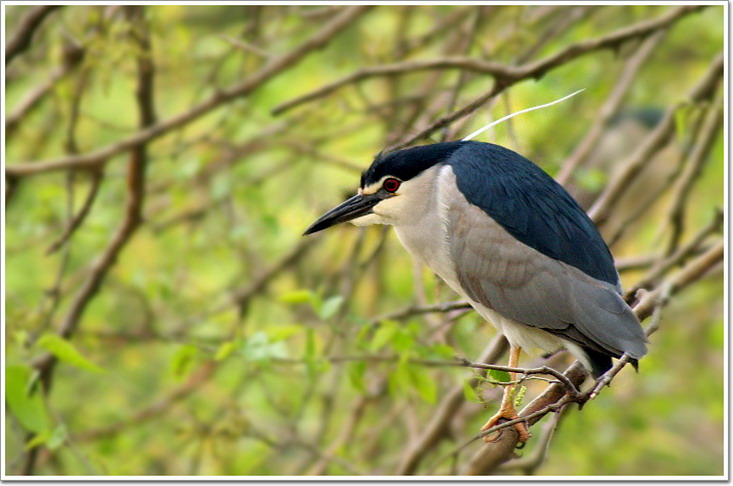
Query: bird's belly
518, 334
436, 257
420, 240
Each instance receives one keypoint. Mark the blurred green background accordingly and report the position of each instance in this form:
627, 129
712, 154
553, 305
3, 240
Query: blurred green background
223, 343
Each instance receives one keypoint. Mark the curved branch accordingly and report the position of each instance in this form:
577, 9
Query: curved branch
96, 182
29, 24
149, 133
437, 428
46, 364
500, 71
661, 135
491, 455
537, 69
464, 63
610, 107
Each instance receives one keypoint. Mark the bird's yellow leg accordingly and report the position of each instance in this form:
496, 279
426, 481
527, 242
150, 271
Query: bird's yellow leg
506, 410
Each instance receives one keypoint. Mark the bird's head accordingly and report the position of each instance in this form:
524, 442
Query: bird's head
393, 190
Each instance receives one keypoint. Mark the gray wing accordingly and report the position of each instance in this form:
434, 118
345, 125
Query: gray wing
529, 287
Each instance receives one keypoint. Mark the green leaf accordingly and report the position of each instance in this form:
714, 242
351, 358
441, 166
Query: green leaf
20, 337
520, 395
362, 333
224, 350
681, 120
38, 440
591, 180
424, 384
500, 375
183, 359
400, 379
259, 348
310, 353
58, 437
65, 351
443, 351
304, 296
402, 341
330, 307
357, 371
469, 392
296, 297
27, 408
284, 331
383, 335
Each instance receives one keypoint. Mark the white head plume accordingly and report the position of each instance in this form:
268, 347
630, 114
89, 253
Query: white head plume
496, 122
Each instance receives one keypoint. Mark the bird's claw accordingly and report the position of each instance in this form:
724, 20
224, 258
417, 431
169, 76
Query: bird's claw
505, 416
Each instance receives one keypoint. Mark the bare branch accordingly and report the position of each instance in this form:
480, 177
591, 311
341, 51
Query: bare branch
96, 181
465, 63
158, 407
711, 127
149, 133
530, 464
505, 75
29, 24
610, 106
133, 212
437, 428
543, 370
600, 211
537, 69
491, 455
662, 265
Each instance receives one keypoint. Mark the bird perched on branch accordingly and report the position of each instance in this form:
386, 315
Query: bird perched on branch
509, 239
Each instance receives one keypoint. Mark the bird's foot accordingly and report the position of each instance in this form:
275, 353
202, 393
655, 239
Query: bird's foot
504, 415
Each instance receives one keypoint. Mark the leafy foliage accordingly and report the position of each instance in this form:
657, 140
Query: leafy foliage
221, 342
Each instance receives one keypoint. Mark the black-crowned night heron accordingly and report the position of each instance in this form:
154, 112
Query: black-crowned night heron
511, 241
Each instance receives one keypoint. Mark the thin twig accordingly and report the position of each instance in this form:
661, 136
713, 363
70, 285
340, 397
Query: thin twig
662, 265
610, 106
539, 68
133, 212
507, 74
97, 176
28, 25
711, 127
656, 140
491, 455
147, 134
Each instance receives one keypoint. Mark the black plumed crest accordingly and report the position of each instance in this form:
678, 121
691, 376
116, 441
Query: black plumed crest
406, 164
531, 206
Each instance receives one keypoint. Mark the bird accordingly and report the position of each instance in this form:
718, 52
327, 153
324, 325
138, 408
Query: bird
510, 240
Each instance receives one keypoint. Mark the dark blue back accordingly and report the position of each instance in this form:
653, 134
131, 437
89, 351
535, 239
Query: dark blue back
531, 206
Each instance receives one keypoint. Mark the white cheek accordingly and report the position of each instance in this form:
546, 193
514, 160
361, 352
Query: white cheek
367, 220
391, 210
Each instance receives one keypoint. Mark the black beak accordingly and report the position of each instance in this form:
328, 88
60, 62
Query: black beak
346, 211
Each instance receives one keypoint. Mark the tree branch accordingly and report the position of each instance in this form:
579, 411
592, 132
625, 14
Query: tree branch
711, 127
133, 212
601, 209
610, 106
97, 177
438, 427
537, 69
491, 455
505, 75
29, 24
99, 157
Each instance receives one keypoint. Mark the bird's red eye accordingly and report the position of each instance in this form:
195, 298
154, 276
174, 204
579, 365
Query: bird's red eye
391, 185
